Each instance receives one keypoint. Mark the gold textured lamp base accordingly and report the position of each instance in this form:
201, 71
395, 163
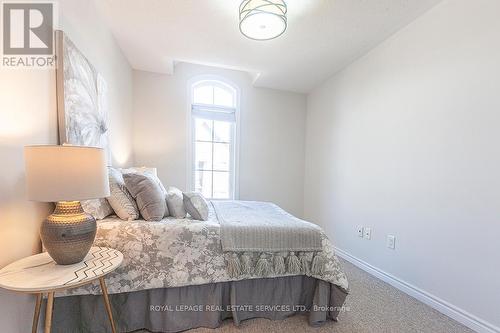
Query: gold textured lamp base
68, 233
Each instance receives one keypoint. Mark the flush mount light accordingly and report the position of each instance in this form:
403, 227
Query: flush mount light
263, 19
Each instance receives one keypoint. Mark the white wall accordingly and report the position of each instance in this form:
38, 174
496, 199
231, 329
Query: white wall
28, 116
271, 164
81, 21
406, 140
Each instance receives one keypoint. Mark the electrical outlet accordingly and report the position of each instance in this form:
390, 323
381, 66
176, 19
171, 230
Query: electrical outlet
360, 231
367, 232
391, 241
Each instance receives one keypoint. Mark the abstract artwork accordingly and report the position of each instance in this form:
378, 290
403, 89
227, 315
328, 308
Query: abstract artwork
81, 98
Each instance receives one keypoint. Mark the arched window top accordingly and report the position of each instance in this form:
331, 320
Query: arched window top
214, 92
214, 134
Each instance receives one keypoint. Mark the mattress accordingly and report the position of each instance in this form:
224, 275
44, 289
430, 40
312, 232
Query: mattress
178, 253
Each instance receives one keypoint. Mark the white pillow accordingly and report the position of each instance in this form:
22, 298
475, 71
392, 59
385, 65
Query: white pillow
175, 203
98, 208
140, 170
196, 205
120, 199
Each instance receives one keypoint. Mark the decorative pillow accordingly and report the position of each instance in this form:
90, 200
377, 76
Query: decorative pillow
140, 170
120, 199
175, 203
147, 171
148, 194
150, 172
196, 205
98, 208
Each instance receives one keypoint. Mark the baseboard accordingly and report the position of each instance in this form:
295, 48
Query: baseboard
452, 311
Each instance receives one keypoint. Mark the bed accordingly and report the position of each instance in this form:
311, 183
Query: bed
176, 273
175, 277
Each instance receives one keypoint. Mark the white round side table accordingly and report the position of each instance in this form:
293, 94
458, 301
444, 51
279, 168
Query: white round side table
39, 274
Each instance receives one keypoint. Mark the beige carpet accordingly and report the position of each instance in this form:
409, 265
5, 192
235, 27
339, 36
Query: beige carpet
373, 306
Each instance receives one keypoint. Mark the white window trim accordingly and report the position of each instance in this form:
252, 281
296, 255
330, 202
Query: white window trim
190, 132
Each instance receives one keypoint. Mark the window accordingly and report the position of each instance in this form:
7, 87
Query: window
213, 135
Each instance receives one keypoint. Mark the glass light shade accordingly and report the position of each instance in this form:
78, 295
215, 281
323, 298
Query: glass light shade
263, 19
65, 173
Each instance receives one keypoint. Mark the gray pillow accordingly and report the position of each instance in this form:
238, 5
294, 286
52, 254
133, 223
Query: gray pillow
148, 194
196, 206
175, 203
151, 173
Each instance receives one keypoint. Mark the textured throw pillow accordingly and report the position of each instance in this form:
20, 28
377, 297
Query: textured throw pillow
175, 203
196, 206
120, 199
98, 208
148, 194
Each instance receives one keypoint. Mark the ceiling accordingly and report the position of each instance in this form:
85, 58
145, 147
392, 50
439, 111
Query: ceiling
323, 36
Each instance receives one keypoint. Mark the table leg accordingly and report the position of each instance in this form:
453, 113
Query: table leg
36, 315
107, 304
48, 312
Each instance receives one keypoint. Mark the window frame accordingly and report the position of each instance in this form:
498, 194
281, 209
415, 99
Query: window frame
235, 133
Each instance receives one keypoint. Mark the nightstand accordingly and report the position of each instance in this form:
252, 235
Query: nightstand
39, 274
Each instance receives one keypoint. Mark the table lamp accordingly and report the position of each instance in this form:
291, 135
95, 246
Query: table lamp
65, 175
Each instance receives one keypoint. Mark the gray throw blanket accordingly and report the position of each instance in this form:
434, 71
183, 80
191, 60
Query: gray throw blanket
286, 244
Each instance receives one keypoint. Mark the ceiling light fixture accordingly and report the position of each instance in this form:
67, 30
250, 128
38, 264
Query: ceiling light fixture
263, 19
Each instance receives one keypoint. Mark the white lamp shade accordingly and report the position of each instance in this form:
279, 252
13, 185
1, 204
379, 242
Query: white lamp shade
65, 173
